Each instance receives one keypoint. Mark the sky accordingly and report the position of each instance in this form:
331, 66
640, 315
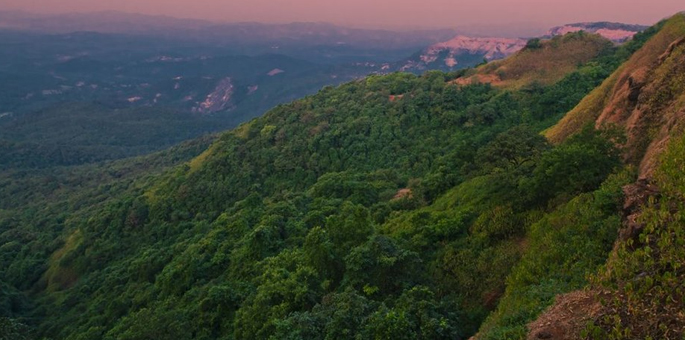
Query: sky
377, 13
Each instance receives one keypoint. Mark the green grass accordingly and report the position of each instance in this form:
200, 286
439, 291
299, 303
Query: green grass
644, 278
563, 248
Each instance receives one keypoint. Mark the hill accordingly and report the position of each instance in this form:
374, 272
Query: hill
157, 74
543, 62
638, 292
390, 207
642, 97
627, 296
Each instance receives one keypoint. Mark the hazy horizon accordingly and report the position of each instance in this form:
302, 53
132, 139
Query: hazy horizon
528, 14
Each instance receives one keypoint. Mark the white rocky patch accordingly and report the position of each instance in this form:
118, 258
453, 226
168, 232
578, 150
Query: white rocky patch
451, 62
54, 75
275, 72
615, 35
219, 99
490, 48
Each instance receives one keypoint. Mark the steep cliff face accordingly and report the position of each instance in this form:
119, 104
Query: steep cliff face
645, 97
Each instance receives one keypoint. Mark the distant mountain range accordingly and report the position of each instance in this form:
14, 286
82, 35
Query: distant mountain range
271, 36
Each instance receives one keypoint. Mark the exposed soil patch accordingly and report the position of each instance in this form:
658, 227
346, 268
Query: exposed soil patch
479, 78
567, 318
393, 98
402, 193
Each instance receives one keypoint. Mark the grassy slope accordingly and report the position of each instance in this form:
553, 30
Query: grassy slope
562, 248
644, 279
546, 64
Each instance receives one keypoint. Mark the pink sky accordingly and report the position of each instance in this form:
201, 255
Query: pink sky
379, 13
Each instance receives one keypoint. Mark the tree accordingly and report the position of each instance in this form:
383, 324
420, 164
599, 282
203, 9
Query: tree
579, 165
511, 149
350, 228
416, 315
534, 44
381, 266
13, 330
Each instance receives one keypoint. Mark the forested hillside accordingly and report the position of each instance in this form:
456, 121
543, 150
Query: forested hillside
74, 134
393, 207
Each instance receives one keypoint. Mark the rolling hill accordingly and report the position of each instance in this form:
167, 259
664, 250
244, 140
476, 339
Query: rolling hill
542, 62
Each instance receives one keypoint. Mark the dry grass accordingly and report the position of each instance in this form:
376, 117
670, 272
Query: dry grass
567, 318
58, 276
197, 162
243, 130
546, 65
611, 102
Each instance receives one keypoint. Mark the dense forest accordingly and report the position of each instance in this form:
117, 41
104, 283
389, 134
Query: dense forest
391, 207
83, 133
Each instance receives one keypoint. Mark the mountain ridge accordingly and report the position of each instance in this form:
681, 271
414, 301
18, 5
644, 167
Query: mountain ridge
642, 100
617, 101
617, 32
462, 51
